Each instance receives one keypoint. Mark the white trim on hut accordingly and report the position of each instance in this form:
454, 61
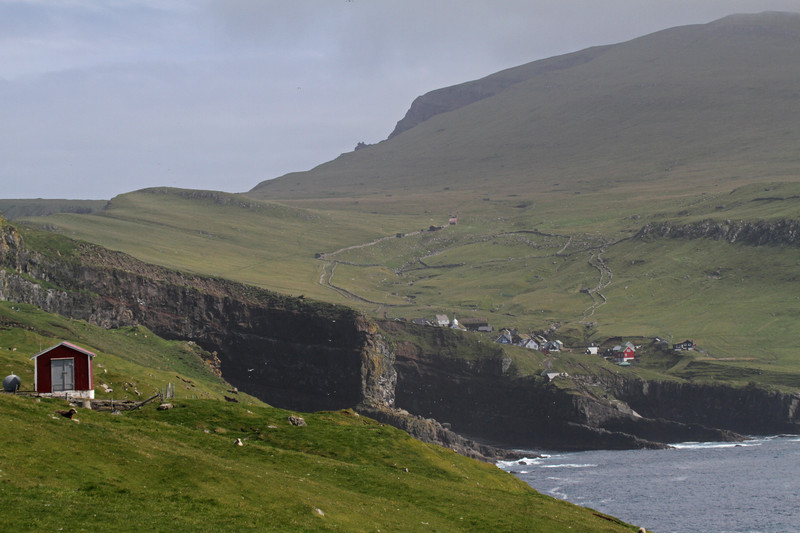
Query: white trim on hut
64, 370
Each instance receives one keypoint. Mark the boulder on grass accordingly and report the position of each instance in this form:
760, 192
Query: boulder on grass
297, 421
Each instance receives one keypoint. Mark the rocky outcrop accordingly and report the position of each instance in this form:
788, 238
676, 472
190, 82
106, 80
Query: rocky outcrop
452, 98
431, 430
378, 373
755, 233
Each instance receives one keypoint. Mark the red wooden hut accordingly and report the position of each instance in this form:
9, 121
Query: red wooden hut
64, 369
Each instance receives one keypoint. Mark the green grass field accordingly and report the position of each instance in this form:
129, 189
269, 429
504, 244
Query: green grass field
180, 470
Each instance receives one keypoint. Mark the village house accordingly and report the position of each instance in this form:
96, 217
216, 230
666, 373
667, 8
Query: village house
593, 350
540, 339
531, 343
685, 345
506, 337
661, 344
625, 353
64, 369
465, 324
442, 321
476, 324
455, 325
552, 346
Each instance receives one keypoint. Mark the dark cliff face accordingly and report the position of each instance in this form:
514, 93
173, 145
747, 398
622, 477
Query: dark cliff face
483, 398
748, 410
517, 412
480, 399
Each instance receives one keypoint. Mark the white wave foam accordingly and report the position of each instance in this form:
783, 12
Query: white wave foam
570, 465
710, 445
750, 442
525, 461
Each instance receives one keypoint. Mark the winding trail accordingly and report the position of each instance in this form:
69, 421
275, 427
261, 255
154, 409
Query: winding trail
606, 276
328, 282
328, 258
328, 255
598, 299
569, 241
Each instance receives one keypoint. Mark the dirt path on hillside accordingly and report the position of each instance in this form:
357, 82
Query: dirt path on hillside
598, 299
566, 244
604, 280
329, 255
328, 259
326, 280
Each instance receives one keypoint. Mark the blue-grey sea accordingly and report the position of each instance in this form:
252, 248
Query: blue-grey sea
748, 487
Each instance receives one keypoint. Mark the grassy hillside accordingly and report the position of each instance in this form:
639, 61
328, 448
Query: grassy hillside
128, 359
224, 235
178, 470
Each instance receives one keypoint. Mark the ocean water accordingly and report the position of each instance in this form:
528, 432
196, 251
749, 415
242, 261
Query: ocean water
748, 487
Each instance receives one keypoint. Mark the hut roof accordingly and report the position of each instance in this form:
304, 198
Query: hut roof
67, 345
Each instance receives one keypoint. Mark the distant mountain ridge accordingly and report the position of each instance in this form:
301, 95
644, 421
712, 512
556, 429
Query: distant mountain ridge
700, 102
457, 96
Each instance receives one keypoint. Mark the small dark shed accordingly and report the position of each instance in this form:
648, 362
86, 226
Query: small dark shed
64, 369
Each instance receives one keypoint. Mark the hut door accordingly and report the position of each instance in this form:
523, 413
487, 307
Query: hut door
62, 372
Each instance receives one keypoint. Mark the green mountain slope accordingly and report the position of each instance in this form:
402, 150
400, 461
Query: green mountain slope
691, 105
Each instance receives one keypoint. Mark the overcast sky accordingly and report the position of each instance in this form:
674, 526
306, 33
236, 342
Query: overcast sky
99, 98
